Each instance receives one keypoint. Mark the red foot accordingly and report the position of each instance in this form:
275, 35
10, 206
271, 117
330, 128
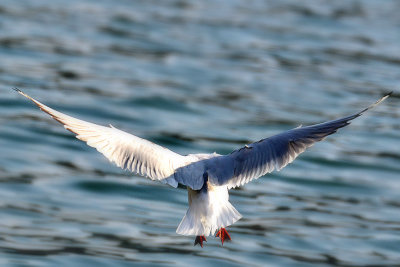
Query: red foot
223, 234
199, 240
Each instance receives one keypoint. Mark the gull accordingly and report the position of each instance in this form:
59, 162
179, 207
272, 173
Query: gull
208, 177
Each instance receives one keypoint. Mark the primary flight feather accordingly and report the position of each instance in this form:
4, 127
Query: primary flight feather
208, 177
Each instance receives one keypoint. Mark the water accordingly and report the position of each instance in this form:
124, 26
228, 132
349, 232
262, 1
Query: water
199, 76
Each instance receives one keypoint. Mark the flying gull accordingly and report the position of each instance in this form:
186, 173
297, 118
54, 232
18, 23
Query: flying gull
208, 177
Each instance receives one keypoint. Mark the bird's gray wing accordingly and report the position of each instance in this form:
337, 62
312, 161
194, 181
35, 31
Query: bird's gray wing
273, 153
125, 150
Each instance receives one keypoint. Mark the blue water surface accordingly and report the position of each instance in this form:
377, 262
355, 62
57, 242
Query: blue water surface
199, 77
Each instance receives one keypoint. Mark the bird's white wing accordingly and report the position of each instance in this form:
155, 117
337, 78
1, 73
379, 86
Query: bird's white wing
264, 156
125, 150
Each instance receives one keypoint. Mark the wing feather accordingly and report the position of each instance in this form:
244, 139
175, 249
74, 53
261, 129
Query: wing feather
125, 150
274, 153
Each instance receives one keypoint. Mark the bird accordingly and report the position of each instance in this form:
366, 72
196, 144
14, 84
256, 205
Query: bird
207, 177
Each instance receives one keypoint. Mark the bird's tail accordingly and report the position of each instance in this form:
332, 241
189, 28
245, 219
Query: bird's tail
205, 217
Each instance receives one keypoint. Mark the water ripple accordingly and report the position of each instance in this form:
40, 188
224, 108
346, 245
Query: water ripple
199, 76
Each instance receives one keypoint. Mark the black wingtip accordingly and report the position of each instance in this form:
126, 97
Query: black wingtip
25, 95
17, 90
389, 94
375, 104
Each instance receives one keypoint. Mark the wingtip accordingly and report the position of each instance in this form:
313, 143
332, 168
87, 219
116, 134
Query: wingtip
17, 90
23, 94
20, 92
376, 103
388, 94
383, 98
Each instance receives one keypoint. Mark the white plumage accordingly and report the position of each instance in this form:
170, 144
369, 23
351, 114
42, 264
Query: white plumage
209, 210
207, 176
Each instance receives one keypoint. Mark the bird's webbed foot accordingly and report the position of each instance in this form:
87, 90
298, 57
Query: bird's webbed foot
199, 240
223, 234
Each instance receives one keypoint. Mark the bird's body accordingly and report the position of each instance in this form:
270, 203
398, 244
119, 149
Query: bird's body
208, 177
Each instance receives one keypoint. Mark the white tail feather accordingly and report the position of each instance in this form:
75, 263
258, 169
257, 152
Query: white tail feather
208, 211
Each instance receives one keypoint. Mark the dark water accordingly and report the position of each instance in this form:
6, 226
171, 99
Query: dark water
199, 76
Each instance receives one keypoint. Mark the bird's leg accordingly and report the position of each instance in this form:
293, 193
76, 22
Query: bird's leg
199, 240
223, 234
